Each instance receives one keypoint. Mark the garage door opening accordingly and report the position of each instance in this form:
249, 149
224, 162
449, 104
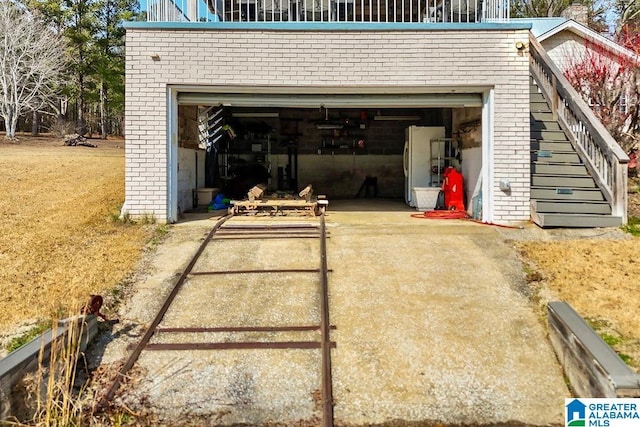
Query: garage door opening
344, 153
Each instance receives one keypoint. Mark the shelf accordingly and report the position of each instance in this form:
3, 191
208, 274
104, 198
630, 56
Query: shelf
329, 126
441, 161
338, 150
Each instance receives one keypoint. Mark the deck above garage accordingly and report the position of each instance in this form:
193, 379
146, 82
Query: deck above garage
328, 11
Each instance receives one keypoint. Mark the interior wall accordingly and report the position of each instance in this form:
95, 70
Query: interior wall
341, 175
467, 125
190, 159
188, 126
190, 162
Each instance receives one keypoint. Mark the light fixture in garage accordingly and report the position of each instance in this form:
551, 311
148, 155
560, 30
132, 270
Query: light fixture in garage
396, 118
256, 115
329, 126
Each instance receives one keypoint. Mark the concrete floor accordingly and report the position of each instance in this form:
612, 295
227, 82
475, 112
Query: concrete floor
432, 326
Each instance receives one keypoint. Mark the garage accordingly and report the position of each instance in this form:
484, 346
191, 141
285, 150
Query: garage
347, 146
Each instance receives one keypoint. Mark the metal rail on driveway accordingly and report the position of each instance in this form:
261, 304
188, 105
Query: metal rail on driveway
133, 357
246, 232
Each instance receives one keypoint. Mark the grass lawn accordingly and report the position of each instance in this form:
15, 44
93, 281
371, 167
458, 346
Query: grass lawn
60, 239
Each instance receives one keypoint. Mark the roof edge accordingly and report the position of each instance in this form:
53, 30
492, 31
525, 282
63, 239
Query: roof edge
328, 26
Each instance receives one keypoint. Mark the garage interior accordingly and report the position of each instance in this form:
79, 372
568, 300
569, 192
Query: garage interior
344, 153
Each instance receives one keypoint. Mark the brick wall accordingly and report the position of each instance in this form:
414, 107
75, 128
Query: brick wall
332, 59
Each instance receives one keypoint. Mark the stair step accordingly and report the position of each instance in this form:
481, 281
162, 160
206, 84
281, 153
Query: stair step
566, 193
571, 206
539, 106
555, 135
536, 97
551, 145
563, 194
567, 181
575, 220
559, 169
541, 116
554, 156
538, 125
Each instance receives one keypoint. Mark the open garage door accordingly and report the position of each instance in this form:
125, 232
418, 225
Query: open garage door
346, 145
426, 100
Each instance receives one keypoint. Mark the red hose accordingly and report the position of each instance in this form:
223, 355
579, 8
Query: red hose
457, 215
441, 215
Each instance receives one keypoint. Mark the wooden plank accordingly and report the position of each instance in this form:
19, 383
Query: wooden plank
576, 220
554, 181
275, 206
559, 169
592, 367
556, 193
571, 206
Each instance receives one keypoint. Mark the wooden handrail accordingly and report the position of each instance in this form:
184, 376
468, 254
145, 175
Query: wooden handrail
601, 154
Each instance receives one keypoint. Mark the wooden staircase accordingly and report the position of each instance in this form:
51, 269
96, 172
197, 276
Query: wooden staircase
563, 193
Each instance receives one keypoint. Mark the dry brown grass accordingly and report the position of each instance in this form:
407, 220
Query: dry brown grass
58, 240
600, 279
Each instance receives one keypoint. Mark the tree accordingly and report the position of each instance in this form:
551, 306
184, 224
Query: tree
610, 84
31, 61
79, 33
538, 8
628, 12
95, 40
53, 15
549, 8
109, 56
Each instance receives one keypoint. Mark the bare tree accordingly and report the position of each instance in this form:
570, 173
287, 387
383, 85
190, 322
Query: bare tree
31, 61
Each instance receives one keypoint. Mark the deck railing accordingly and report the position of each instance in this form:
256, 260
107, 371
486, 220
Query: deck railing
601, 154
368, 11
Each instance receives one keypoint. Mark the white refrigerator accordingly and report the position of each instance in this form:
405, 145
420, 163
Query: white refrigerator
417, 158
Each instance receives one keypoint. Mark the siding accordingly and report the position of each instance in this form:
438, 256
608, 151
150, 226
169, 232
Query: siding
331, 59
565, 48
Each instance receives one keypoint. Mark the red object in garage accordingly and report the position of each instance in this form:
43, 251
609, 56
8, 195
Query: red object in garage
453, 187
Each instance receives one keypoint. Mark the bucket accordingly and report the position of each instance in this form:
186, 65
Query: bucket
425, 198
206, 195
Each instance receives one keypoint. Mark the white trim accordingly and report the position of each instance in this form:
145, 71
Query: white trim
487, 157
331, 99
172, 155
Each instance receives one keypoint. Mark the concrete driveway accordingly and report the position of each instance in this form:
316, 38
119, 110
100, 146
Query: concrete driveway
430, 314
432, 326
